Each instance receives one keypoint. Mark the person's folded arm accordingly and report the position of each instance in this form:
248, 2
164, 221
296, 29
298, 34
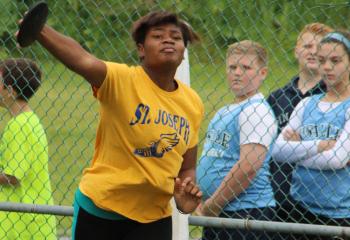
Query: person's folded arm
336, 157
294, 151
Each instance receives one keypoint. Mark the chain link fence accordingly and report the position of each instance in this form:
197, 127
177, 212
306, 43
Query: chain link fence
69, 112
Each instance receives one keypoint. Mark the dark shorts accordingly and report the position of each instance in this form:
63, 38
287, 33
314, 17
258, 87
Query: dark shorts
90, 227
281, 179
300, 214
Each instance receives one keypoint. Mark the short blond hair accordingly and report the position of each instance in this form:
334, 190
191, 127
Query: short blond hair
318, 29
249, 47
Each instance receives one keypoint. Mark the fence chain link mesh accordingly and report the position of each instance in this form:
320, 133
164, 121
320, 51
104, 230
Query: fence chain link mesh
68, 111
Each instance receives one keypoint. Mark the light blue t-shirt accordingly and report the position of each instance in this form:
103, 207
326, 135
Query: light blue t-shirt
324, 192
221, 152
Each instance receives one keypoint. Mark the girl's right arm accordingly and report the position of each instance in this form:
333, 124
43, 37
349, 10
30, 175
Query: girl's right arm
73, 55
285, 150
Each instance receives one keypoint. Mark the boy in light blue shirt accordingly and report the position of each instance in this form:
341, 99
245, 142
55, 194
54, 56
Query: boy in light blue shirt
233, 170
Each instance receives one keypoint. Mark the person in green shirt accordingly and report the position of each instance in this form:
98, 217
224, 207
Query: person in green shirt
24, 174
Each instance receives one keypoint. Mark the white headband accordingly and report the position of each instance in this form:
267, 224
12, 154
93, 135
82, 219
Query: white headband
338, 37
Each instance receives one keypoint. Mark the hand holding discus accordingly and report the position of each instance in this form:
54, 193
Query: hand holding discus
32, 23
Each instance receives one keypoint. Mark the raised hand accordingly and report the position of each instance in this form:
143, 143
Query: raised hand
32, 23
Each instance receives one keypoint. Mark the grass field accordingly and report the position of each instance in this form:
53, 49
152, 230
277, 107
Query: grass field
69, 114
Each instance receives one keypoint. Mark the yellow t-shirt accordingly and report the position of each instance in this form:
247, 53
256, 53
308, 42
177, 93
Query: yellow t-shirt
142, 135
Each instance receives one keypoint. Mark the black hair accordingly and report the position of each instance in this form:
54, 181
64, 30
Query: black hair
153, 19
23, 75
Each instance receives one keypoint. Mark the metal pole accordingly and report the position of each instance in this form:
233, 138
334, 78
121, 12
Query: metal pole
180, 221
255, 225
295, 228
36, 208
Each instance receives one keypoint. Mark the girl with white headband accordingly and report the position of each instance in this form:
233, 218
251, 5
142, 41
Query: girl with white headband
317, 139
